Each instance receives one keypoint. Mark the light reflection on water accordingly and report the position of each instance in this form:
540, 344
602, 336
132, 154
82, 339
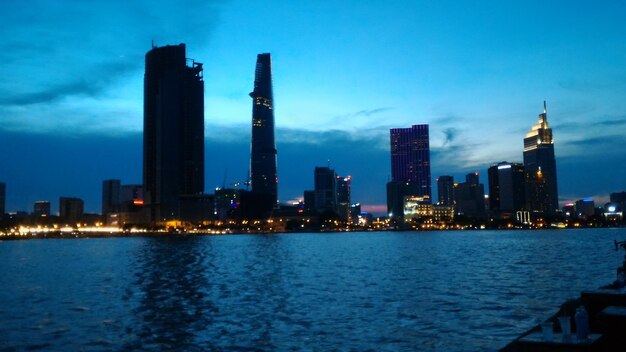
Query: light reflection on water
348, 291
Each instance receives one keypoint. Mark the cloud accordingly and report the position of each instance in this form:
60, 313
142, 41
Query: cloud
611, 123
450, 134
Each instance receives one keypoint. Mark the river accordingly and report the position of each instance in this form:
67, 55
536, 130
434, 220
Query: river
360, 291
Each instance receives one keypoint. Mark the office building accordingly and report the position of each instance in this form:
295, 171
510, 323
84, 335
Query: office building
445, 190
410, 157
343, 198
325, 188
41, 208
585, 208
71, 209
506, 187
469, 197
263, 174
410, 168
540, 167
173, 140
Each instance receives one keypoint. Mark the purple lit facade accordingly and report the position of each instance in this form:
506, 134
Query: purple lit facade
410, 157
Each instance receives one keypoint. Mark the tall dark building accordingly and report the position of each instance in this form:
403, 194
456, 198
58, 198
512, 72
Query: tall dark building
410, 157
506, 187
469, 197
110, 196
445, 190
343, 198
263, 175
173, 140
325, 181
540, 165
41, 208
71, 209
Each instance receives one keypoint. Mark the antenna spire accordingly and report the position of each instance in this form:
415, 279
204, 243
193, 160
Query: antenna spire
545, 110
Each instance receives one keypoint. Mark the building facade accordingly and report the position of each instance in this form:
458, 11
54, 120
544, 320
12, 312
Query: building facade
71, 209
173, 140
410, 157
540, 165
263, 174
41, 208
469, 197
507, 187
410, 168
445, 190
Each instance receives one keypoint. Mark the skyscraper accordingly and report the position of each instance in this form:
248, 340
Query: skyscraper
263, 175
410, 157
173, 141
410, 167
506, 187
71, 209
540, 166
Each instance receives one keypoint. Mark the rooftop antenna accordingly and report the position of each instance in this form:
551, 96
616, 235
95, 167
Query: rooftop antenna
544, 107
152, 43
328, 163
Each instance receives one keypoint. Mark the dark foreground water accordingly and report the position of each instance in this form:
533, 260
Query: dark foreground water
385, 291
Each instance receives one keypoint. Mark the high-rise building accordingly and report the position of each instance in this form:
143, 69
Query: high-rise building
41, 208
343, 198
469, 197
325, 182
173, 140
445, 190
263, 175
3, 189
410, 168
410, 157
506, 187
540, 166
71, 209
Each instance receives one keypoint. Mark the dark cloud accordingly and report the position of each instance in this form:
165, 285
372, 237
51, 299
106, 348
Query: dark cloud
597, 141
90, 85
450, 135
611, 123
58, 50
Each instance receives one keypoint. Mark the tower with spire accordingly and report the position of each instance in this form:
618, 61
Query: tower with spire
540, 167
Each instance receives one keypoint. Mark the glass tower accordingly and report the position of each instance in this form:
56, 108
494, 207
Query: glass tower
410, 157
540, 166
263, 175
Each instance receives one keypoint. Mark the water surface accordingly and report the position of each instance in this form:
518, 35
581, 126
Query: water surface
378, 291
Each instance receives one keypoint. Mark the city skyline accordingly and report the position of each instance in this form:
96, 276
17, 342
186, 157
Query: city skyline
476, 80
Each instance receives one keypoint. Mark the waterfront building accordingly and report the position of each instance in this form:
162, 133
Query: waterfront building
227, 203
506, 188
540, 167
3, 189
585, 208
443, 213
619, 199
343, 198
325, 188
71, 209
173, 134
41, 208
410, 168
410, 157
263, 174
309, 200
470, 197
417, 207
110, 196
445, 190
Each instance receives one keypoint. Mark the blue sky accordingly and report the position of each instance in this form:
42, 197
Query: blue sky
344, 73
